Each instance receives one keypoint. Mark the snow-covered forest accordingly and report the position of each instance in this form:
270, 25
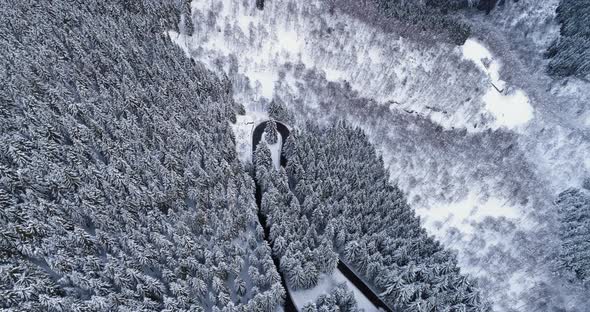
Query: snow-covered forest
120, 189
334, 200
438, 149
480, 136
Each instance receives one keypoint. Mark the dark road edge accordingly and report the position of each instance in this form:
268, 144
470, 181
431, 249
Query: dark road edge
364, 288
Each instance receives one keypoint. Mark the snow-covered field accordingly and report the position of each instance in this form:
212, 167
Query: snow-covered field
478, 136
510, 110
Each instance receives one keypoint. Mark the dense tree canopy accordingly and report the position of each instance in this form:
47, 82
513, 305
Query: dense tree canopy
277, 110
570, 54
334, 201
340, 298
119, 184
412, 18
574, 230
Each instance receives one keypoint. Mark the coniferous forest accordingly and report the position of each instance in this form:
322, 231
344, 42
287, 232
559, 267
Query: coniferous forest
574, 215
415, 156
119, 184
334, 200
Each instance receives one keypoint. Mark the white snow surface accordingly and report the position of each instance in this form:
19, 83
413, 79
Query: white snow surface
466, 213
275, 150
476, 52
243, 132
510, 110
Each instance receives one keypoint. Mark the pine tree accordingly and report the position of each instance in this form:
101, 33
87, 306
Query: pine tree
311, 275
309, 307
278, 111
344, 298
270, 132
327, 258
290, 148
262, 156
128, 184
270, 201
297, 277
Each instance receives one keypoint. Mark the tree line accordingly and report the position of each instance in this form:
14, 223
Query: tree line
419, 19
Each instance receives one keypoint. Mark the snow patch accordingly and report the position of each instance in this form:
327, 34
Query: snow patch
464, 214
275, 150
243, 132
264, 80
289, 41
509, 110
476, 52
334, 74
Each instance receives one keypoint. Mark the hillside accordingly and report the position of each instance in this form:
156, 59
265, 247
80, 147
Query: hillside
119, 184
275, 155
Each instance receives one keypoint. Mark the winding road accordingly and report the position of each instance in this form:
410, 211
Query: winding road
259, 130
349, 273
256, 137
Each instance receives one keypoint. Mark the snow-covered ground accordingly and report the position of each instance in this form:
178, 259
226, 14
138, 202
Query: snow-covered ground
325, 285
243, 132
477, 136
275, 150
466, 214
509, 108
243, 129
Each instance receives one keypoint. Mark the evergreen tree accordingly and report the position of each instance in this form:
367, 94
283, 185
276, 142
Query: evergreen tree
270, 132
278, 111
309, 307
262, 157
340, 298
349, 205
290, 146
119, 183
